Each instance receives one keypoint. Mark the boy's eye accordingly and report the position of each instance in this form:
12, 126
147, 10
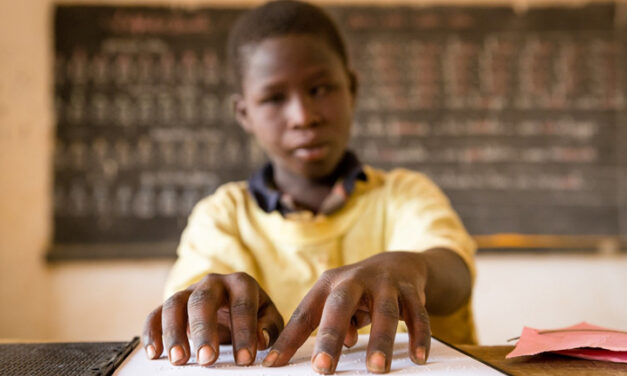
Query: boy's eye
273, 98
320, 89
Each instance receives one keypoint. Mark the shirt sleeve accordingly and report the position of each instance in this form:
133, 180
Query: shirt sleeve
210, 243
420, 217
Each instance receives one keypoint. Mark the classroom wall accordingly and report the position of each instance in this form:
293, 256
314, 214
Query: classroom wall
109, 300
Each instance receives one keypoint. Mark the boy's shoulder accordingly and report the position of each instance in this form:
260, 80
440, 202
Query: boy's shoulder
397, 178
401, 185
226, 197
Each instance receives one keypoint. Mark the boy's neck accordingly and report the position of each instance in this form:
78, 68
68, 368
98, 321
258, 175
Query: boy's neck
306, 192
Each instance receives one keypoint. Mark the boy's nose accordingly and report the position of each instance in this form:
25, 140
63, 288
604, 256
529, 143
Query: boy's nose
301, 112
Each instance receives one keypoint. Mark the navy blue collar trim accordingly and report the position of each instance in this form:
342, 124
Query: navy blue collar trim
261, 183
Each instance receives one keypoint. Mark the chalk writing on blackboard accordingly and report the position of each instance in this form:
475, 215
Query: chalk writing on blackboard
502, 110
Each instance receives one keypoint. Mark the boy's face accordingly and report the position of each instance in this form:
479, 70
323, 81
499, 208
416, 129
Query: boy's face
297, 100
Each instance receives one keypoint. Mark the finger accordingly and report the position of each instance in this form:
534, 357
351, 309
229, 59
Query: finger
269, 323
174, 323
351, 334
336, 315
224, 325
360, 318
152, 334
385, 316
417, 320
243, 301
224, 334
202, 310
303, 322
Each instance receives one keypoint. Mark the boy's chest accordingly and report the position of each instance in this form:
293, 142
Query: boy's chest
293, 269
301, 263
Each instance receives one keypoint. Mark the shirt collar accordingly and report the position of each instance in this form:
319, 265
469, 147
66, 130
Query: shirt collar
262, 187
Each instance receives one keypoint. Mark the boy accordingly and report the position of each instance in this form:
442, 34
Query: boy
353, 244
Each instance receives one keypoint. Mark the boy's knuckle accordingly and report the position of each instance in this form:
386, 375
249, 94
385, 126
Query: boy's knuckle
198, 328
327, 274
199, 298
303, 318
422, 316
423, 332
328, 277
242, 334
153, 315
241, 278
242, 306
170, 332
175, 301
147, 338
387, 308
329, 336
385, 340
339, 298
212, 277
383, 278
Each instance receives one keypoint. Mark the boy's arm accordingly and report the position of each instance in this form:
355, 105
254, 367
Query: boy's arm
420, 217
449, 282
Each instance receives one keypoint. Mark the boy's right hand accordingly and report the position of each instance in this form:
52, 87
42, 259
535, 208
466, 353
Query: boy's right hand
229, 308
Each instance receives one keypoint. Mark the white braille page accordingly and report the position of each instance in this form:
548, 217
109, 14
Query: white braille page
443, 360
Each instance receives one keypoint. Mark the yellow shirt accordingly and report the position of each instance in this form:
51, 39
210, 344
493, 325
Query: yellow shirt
400, 210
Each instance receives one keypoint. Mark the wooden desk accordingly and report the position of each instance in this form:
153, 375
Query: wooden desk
545, 364
14, 361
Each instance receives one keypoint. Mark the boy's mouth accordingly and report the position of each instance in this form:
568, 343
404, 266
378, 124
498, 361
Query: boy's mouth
311, 153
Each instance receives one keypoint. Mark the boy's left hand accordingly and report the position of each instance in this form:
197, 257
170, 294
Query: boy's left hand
379, 290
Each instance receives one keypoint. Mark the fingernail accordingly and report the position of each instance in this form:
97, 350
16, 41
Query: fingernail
243, 357
176, 354
270, 358
150, 352
206, 355
266, 336
421, 354
322, 363
376, 362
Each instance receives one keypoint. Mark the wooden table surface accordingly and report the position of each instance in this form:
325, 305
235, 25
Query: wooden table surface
544, 364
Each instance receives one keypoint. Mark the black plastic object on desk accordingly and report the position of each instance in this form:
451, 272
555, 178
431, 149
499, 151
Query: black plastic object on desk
81, 358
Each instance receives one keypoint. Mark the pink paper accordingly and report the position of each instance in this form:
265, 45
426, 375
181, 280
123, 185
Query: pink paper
582, 340
596, 354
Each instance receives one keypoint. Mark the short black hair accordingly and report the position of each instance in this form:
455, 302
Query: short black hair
280, 18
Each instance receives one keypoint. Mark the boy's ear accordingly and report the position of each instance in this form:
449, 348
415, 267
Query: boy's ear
239, 109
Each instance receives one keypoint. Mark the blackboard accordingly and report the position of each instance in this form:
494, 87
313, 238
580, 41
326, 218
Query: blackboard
519, 117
